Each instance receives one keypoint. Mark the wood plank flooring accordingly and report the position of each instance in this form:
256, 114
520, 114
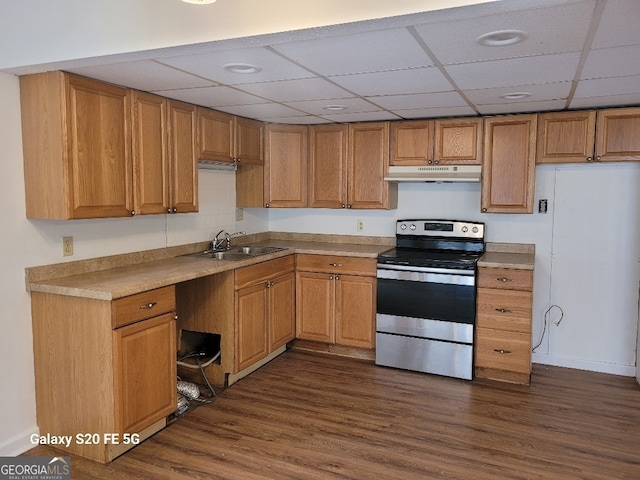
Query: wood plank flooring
314, 416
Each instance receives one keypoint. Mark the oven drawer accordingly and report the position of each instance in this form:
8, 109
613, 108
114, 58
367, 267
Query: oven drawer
504, 309
505, 278
501, 350
337, 264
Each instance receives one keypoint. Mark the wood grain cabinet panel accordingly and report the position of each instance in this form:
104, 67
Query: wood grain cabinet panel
411, 142
285, 172
617, 137
458, 141
216, 136
503, 324
566, 137
335, 300
508, 168
249, 139
328, 166
94, 378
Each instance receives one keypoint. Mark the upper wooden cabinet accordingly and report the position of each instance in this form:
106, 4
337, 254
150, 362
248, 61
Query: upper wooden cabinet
617, 135
454, 141
328, 166
458, 141
508, 168
164, 164
580, 136
411, 142
566, 137
367, 163
94, 150
227, 138
76, 138
285, 170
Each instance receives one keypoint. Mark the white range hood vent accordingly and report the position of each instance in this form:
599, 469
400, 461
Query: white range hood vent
438, 174
211, 165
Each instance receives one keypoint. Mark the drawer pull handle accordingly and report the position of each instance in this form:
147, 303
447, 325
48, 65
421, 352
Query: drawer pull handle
503, 310
504, 279
335, 264
501, 351
148, 306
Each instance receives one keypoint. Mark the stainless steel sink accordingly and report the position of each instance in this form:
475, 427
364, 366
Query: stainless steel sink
237, 253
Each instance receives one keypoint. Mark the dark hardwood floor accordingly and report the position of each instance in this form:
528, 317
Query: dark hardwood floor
314, 416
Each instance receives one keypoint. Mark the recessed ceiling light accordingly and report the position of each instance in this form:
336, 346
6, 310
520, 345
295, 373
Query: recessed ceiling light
515, 95
335, 108
501, 38
199, 2
241, 68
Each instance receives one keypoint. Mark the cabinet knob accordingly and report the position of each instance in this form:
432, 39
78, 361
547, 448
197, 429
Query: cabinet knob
344, 206
169, 210
175, 210
504, 279
148, 306
133, 212
598, 158
589, 159
501, 351
484, 210
337, 277
502, 310
437, 162
430, 162
335, 264
266, 205
348, 206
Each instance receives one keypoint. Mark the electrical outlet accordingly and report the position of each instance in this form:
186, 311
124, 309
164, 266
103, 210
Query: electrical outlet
360, 225
67, 246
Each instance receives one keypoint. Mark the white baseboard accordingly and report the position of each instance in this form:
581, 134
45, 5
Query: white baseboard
568, 362
18, 444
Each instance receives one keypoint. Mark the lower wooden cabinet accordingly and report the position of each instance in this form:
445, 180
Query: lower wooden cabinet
264, 301
335, 300
104, 367
503, 324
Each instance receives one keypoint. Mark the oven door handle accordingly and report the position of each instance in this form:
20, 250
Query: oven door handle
451, 277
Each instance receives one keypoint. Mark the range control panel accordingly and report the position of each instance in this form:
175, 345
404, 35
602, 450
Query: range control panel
440, 228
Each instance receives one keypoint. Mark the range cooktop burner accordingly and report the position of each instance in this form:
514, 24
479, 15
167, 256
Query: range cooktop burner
426, 258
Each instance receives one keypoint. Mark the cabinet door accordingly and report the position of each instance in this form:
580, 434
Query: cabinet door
328, 166
566, 137
368, 161
251, 317
145, 372
411, 143
509, 164
182, 157
249, 141
282, 318
285, 172
99, 149
458, 141
150, 159
355, 310
315, 307
215, 136
617, 137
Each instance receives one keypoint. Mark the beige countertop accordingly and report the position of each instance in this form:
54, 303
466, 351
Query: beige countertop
508, 255
121, 281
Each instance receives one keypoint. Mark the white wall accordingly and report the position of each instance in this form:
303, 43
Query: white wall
25, 243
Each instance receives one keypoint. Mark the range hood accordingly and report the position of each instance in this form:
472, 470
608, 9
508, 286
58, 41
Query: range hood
211, 165
435, 173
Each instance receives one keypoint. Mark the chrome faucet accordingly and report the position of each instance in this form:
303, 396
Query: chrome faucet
217, 242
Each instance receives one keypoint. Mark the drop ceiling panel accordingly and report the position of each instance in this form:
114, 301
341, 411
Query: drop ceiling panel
608, 86
397, 82
361, 117
422, 100
520, 107
492, 96
368, 52
316, 107
619, 24
210, 65
262, 111
550, 30
212, 96
605, 101
436, 112
515, 71
296, 90
613, 62
144, 75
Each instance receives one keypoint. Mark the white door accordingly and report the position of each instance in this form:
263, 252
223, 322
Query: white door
596, 266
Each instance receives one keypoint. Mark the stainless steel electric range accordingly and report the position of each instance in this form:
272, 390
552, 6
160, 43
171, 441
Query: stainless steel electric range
426, 297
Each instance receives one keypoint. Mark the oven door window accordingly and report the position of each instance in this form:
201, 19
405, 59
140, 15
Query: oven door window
449, 302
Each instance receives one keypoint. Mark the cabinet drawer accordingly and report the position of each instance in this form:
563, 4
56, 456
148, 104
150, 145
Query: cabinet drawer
261, 272
336, 264
504, 310
505, 278
143, 305
500, 350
